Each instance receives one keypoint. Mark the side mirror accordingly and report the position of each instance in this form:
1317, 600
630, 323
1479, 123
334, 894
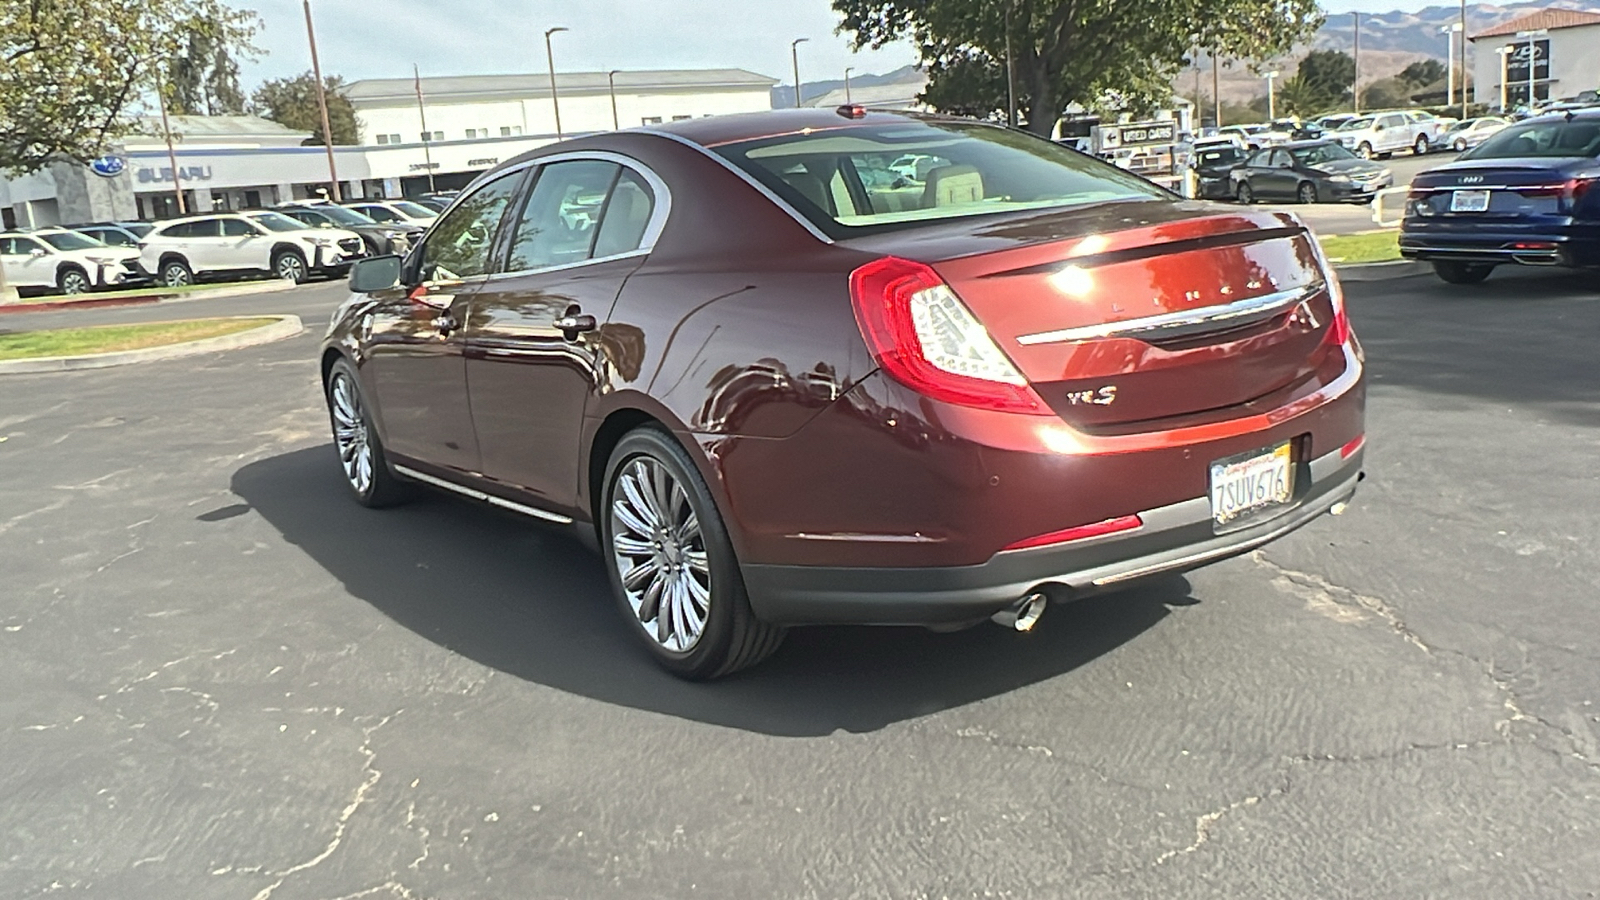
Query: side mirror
324, 224
375, 273
36, 253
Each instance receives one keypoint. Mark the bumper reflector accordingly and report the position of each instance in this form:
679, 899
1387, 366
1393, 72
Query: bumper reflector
1082, 532
1350, 449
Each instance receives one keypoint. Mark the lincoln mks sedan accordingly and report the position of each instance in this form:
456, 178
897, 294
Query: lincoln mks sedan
780, 379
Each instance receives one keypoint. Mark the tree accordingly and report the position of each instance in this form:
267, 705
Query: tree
292, 102
1095, 53
1422, 73
1325, 79
70, 70
1386, 94
203, 77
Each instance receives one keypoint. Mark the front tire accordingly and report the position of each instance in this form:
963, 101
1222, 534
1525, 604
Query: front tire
361, 457
1364, 151
1420, 148
673, 570
73, 280
176, 273
1461, 146
290, 266
1244, 194
1454, 272
1307, 192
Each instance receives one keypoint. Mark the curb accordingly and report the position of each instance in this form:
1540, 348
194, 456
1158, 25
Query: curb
285, 327
1381, 271
270, 286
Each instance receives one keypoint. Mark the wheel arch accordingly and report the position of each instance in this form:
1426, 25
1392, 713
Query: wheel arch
282, 247
70, 265
168, 256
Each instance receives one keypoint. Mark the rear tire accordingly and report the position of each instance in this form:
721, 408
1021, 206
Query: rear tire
1462, 272
1364, 151
1307, 192
1461, 145
361, 457
673, 570
73, 280
1420, 148
1244, 194
176, 273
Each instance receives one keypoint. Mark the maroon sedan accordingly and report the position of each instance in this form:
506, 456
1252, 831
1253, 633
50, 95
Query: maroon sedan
783, 378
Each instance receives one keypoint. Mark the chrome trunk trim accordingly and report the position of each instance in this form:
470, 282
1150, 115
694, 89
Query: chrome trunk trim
1178, 324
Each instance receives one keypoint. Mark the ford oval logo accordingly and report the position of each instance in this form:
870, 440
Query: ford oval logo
108, 166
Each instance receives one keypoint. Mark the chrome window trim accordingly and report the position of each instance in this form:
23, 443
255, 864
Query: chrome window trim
1183, 320
523, 273
747, 178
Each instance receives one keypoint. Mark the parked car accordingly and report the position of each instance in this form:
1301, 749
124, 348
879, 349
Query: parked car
110, 235
1254, 136
1212, 161
394, 212
1332, 122
773, 404
1469, 133
1309, 172
260, 243
1528, 195
65, 261
379, 238
437, 201
1385, 134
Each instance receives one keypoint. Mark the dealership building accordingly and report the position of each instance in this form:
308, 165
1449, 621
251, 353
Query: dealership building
472, 124
1562, 46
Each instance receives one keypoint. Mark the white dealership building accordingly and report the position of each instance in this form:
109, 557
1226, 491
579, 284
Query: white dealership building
1563, 45
473, 123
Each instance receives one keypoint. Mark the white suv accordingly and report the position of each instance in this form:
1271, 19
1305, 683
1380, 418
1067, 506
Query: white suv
402, 212
66, 261
1383, 134
180, 250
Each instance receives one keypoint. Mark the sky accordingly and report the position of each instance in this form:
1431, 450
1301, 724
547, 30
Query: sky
382, 38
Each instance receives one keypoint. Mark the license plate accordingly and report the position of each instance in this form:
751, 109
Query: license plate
1250, 482
1469, 201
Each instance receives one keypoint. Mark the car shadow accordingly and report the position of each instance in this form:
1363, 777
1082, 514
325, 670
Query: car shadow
1524, 338
534, 603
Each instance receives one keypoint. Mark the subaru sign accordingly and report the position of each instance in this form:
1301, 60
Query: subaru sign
108, 166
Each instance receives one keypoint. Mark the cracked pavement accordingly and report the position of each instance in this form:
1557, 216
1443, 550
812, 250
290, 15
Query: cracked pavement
219, 678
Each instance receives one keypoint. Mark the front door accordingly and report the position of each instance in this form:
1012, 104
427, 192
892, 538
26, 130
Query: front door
414, 360
27, 262
532, 337
243, 246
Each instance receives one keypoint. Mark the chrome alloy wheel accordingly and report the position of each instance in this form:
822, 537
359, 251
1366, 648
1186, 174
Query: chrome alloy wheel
660, 554
350, 433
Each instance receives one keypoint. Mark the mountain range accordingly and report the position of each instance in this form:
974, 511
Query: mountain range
1419, 32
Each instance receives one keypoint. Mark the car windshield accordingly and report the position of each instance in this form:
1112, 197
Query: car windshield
278, 222
414, 210
344, 216
1321, 153
1552, 138
70, 240
139, 229
1356, 124
845, 178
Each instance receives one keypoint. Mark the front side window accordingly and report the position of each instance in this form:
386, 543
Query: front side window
459, 245
1260, 159
832, 176
1552, 138
559, 223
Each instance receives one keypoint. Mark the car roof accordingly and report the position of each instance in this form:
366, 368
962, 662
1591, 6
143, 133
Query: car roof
712, 131
1297, 145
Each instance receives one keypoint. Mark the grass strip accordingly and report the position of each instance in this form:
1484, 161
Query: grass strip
1373, 246
116, 338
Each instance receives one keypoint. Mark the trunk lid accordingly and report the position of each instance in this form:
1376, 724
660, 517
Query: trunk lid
1129, 313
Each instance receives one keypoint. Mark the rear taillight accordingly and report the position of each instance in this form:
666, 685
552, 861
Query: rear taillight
1339, 329
921, 333
1080, 533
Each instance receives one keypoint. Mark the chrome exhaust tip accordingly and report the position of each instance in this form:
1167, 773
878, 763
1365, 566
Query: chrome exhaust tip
1024, 614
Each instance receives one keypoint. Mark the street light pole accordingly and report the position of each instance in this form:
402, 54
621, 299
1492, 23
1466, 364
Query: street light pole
1449, 31
427, 137
166, 134
847, 71
1505, 70
1533, 58
550, 58
1356, 88
611, 82
1463, 24
1011, 81
1272, 106
322, 105
794, 58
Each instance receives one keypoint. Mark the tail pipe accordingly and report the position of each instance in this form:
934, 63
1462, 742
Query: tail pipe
1023, 614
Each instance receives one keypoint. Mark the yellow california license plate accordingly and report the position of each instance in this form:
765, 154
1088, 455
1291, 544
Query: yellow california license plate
1250, 482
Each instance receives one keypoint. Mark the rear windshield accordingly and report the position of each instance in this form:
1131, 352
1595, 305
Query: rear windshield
343, 216
414, 210
1219, 156
277, 222
1555, 137
854, 179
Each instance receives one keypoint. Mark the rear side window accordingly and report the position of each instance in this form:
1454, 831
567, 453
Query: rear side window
626, 218
1552, 138
562, 217
874, 177
378, 213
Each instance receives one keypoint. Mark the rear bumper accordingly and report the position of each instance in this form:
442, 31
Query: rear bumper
1174, 538
1577, 246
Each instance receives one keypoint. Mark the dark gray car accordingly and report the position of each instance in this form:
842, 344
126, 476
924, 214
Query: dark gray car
380, 237
1309, 172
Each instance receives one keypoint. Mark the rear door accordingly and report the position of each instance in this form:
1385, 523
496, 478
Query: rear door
27, 262
243, 245
414, 349
202, 244
582, 231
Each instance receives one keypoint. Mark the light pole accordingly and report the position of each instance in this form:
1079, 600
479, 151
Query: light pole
1463, 24
1533, 58
1505, 69
422, 113
322, 105
611, 84
1449, 31
1011, 81
1272, 106
794, 57
550, 57
847, 71
1356, 88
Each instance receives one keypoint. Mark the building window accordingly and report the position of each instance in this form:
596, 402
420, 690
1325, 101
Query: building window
651, 120
681, 118
509, 130
436, 136
383, 139
472, 133
394, 138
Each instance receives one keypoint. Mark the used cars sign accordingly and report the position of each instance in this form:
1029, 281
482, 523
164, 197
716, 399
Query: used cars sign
1137, 134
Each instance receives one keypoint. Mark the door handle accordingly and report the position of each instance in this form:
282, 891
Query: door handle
571, 326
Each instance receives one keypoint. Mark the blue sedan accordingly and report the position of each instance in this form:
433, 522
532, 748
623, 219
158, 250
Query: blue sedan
1530, 195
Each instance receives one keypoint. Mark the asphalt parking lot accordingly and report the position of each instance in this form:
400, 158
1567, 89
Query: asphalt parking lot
223, 679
